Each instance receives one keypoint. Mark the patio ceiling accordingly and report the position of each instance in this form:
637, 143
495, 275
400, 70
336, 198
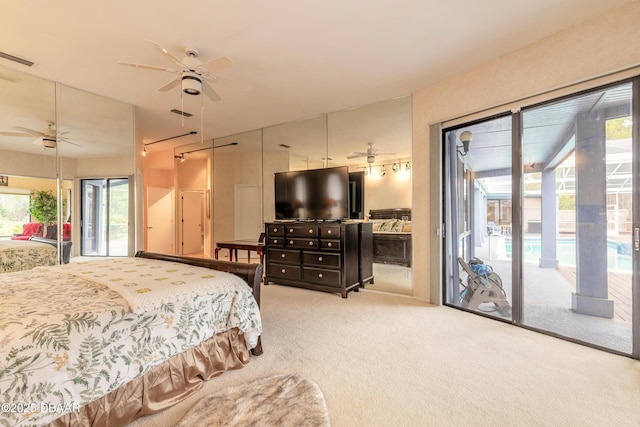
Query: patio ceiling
549, 135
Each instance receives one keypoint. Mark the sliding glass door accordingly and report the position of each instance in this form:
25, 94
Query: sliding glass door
479, 219
105, 217
540, 218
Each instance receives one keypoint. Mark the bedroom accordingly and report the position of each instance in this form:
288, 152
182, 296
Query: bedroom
431, 106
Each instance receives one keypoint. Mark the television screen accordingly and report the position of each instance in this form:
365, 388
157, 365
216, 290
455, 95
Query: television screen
315, 194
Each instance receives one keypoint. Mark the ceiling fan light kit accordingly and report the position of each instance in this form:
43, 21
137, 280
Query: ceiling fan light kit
191, 83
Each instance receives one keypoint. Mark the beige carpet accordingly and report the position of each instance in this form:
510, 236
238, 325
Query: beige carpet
285, 400
392, 361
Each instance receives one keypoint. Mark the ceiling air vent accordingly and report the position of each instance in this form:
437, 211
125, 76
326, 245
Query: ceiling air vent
182, 113
16, 59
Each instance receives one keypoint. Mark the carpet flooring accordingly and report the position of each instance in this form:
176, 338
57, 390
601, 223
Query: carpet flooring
383, 360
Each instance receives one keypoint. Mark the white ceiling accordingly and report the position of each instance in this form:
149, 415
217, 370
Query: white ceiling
293, 58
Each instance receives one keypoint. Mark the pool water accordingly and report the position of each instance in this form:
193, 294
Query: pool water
618, 254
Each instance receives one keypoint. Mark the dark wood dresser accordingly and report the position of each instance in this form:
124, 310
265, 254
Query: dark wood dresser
323, 256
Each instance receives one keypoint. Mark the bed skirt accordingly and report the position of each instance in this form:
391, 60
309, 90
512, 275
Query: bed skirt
164, 385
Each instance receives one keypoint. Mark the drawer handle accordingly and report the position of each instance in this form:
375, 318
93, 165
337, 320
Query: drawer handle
319, 258
291, 242
310, 243
283, 255
291, 230
275, 230
329, 244
311, 231
284, 271
275, 240
320, 275
328, 231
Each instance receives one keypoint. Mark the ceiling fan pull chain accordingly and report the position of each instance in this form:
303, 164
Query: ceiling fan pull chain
202, 119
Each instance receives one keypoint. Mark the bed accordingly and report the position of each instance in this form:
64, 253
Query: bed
18, 255
108, 341
391, 236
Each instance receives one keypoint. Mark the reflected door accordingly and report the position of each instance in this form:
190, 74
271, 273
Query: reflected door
105, 217
192, 221
160, 220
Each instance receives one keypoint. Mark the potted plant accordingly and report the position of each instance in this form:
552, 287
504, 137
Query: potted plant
43, 208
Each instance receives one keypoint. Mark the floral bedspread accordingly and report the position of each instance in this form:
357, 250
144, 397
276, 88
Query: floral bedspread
66, 340
18, 255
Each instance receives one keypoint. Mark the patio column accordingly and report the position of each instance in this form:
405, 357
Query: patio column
591, 296
548, 219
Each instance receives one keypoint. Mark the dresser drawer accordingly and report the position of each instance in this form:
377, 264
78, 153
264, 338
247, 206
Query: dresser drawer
275, 230
322, 276
302, 243
321, 259
332, 245
330, 231
283, 271
302, 230
276, 241
283, 256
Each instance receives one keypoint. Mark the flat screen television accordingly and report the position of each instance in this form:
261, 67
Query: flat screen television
315, 194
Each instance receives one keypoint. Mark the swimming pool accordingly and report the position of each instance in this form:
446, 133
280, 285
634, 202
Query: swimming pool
618, 254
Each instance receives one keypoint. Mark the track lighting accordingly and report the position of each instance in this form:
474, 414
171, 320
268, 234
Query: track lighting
407, 166
396, 167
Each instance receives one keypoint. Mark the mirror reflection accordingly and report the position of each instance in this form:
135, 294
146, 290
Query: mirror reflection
51, 137
374, 141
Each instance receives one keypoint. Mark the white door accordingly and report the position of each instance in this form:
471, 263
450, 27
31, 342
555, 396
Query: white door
160, 220
192, 222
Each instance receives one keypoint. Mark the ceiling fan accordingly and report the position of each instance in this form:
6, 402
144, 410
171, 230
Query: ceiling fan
193, 75
370, 154
45, 138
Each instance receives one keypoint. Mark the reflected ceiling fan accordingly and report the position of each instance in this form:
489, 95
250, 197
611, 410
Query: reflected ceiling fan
45, 138
193, 75
370, 154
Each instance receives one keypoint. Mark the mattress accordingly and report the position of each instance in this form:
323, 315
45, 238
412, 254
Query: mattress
71, 334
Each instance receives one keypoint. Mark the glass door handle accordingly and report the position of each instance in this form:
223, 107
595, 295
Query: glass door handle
636, 238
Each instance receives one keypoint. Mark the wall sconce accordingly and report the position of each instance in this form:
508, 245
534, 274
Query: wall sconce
144, 151
465, 138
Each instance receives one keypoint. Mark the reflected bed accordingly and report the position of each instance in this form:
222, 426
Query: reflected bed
20, 255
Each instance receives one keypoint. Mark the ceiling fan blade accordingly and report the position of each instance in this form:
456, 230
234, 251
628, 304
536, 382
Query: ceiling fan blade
356, 155
15, 134
217, 64
225, 82
72, 143
211, 94
29, 131
169, 55
168, 86
148, 67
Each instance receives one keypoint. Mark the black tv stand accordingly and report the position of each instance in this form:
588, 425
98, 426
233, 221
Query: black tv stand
325, 255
